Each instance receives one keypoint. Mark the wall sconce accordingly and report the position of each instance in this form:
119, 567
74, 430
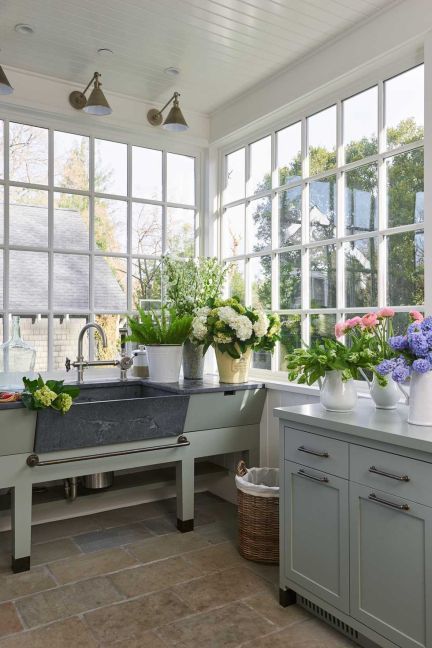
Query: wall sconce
174, 122
5, 86
96, 104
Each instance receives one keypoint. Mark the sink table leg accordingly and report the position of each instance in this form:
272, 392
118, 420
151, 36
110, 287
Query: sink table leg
185, 479
21, 527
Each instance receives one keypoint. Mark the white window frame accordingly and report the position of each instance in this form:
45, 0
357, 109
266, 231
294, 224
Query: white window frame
378, 80
92, 133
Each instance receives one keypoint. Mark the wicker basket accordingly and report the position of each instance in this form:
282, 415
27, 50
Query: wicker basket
258, 525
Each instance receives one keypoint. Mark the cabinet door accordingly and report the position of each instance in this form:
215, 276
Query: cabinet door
391, 566
316, 533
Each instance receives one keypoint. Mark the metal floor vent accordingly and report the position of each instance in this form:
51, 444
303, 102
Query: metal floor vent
328, 618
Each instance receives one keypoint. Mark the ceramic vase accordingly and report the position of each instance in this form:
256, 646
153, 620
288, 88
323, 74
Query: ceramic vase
338, 395
193, 361
164, 362
420, 399
231, 370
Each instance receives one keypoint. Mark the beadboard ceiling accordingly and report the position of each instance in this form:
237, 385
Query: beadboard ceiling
222, 47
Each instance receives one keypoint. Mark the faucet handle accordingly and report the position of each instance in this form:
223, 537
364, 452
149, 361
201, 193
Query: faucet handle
68, 364
126, 362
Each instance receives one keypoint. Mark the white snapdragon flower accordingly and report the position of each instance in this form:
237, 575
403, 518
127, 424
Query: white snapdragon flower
261, 325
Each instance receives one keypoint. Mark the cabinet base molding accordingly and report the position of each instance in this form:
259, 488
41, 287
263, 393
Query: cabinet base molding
287, 597
20, 564
184, 526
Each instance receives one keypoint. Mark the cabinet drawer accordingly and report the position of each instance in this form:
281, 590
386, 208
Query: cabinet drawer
403, 477
316, 451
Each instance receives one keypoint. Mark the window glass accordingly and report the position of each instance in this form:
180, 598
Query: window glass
404, 107
260, 166
322, 140
146, 229
361, 272
71, 161
290, 338
405, 271
290, 216
180, 179
322, 209
34, 330
259, 213
146, 283
361, 199
146, 173
71, 221
111, 324
321, 326
1, 151
260, 278
110, 283
28, 154
233, 232
28, 217
289, 153
66, 329
290, 279
235, 284
360, 125
181, 231
110, 225
323, 277
2, 216
405, 188
235, 176
110, 167
28, 280
71, 282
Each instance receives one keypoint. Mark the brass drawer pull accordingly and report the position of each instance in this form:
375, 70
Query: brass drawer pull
303, 473
33, 459
316, 453
376, 471
378, 500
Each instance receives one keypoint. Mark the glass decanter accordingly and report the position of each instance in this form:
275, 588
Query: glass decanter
17, 358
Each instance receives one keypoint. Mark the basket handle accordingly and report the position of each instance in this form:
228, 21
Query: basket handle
241, 469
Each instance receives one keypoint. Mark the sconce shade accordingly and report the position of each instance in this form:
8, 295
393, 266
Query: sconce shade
97, 103
5, 86
175, 122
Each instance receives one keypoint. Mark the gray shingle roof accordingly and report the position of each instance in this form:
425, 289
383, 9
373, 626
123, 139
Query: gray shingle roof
28, 270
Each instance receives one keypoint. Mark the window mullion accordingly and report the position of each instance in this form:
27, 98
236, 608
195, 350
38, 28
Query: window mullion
50, 249
6, 312
340, 211
382, 200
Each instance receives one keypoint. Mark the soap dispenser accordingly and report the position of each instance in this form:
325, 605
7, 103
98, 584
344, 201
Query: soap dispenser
140, 362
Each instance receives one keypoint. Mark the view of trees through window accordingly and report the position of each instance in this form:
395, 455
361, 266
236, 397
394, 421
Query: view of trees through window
334, 226
75, 243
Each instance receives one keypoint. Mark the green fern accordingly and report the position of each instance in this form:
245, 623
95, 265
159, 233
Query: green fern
164, 328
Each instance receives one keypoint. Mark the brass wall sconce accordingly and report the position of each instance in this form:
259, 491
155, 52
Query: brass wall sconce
5, 86
96, 104
174, 122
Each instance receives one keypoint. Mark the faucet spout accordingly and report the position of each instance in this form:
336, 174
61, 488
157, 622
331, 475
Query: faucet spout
80, 362
83, 331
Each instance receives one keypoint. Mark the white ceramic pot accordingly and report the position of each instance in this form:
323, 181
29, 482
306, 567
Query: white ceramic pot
164, 362
420, 400
338, 395
231, 370
385, 397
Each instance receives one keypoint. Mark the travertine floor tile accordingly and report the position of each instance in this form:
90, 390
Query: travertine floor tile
131, 514
67, 601
54, 550
63, 528
267, 604
9, 621
90, 565
108, 538
225, 627
161, 525
133, 618
155, 576
15, 585
220, 588
64, 634
310, 634
215, 558
167, 545
217, 532
146, 640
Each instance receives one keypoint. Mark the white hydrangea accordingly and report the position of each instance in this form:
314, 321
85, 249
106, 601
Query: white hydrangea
261, 325
221, 338
203, 312
199, 327
227, 314
242, 326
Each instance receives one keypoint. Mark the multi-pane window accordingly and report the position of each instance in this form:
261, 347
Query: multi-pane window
323, 219
84, 223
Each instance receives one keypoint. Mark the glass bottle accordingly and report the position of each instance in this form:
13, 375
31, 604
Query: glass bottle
16, 357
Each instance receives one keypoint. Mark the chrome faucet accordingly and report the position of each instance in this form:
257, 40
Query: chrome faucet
80, 363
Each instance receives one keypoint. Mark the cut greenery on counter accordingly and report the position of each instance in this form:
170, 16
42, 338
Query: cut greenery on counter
165, 327
53, 394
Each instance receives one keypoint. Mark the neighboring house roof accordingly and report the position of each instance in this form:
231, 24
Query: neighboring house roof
28, 270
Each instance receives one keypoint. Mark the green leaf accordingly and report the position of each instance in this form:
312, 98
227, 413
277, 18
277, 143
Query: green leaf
72, 391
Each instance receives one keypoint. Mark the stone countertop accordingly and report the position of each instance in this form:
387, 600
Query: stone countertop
365, 422
209, 384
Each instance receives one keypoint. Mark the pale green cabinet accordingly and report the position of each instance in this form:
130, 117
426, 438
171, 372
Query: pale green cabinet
391, 566
317, 533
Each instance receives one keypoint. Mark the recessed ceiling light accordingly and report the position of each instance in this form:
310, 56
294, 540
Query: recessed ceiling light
22, 28
105, 51
172, 71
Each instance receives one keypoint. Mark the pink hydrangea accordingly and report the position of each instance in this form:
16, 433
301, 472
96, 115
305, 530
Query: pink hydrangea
370, 320
416, 316
386, 312
340, 328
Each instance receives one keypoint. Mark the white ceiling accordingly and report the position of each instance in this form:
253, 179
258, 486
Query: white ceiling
223, 47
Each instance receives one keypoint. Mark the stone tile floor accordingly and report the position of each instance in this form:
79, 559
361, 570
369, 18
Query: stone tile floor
128, 578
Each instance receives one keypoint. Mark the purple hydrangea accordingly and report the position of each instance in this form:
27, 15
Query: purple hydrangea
428, 337
415, 327
426, 324
421, 365
398, 342
385, 367
401, 373
418, 344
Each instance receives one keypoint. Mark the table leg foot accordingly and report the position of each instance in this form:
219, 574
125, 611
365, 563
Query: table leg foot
20, 564
287, 597
184, 526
